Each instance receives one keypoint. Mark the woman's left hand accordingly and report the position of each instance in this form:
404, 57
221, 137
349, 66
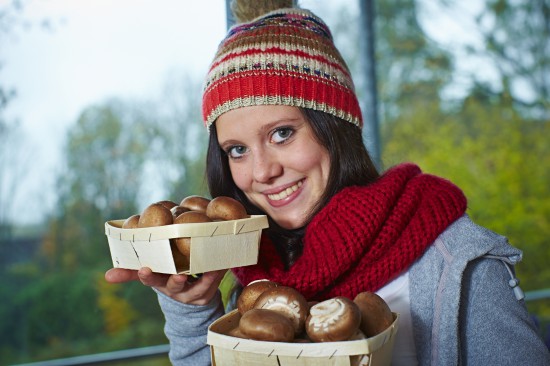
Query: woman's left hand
180, 287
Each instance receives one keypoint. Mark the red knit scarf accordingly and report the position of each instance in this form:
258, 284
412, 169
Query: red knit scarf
365, 236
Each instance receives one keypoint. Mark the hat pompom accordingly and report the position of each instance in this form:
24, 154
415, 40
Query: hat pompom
247, 10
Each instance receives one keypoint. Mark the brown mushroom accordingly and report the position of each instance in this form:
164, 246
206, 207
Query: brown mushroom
178, 210
155, 215
225, 208
266, 325
333, 320
189, 217
168, 204
195, 203
251, 292
131, 222
236, 332
376, 315
181, 262
287, 301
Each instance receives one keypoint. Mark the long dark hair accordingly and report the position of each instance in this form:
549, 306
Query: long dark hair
350, 165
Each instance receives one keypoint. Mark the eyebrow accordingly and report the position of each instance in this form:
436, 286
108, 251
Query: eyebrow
270, 125
229, 143
267, 127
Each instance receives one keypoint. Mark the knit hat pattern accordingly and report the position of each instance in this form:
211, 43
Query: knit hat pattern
285, 57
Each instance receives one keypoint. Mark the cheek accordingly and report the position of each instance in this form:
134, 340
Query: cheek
241, 177
314, 160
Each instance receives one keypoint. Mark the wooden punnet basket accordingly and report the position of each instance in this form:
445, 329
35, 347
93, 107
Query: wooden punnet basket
214, 245
230, 351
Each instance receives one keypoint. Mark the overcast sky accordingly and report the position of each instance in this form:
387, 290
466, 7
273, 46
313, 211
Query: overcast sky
90, 52
94, 50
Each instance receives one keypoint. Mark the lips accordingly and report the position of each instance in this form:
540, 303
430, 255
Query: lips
285, 193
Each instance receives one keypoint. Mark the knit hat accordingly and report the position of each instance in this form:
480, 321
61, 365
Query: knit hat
284, 57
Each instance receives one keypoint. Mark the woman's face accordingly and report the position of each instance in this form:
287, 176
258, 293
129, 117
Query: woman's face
275, 160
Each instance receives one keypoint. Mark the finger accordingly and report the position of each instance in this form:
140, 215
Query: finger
177, 283
121, 275
150, 278
202, 291
213, 278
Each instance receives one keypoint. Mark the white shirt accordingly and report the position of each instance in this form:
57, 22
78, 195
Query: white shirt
396, 295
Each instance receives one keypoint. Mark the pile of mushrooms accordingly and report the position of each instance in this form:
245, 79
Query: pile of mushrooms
191, 209
271, 312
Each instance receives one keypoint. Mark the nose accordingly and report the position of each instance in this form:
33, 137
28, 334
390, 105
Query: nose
266, 166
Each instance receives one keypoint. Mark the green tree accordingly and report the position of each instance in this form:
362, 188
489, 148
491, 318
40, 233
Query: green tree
106, 153
115, 155
60, 310
516, 36
411, 68
500, 160
187, 138
14, 164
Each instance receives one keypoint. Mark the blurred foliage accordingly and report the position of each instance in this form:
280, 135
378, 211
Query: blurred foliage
498, 158
118, 312
493, 142
516, 38
62, 305
121, 156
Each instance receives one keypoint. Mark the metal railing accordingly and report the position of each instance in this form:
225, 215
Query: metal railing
107, 357
537, 294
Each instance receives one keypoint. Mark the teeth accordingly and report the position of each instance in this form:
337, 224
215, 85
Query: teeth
284, 194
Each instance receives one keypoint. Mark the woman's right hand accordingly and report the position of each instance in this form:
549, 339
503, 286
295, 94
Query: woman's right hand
176, 286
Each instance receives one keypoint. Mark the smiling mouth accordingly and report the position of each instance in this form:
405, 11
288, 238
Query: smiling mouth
284, 194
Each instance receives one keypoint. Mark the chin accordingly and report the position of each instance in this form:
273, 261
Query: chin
290, 224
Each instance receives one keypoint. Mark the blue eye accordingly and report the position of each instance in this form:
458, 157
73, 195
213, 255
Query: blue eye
236, 152
282, 134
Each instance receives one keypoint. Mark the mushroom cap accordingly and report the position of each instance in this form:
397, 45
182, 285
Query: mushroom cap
155, 214
191, 217
333, 320
287, 301
131, 222
195, 203
225, 208
180, 261
266, 325
188, 217
168, 204
251, 292
236, 332
376, 315
178, 210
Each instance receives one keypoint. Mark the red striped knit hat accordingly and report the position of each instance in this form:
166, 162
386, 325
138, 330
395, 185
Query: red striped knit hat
284, 57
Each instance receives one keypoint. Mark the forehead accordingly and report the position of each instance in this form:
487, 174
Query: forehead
256, 118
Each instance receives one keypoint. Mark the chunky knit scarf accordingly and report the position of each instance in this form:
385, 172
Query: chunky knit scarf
365, 236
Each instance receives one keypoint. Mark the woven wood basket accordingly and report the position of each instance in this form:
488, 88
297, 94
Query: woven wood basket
231, 351
214, 245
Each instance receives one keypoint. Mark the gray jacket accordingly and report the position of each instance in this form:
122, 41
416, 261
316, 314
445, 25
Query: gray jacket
465, 306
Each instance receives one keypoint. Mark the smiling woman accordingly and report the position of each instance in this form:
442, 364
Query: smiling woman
285, 139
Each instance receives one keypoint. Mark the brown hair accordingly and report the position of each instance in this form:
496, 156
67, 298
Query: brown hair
350, 165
